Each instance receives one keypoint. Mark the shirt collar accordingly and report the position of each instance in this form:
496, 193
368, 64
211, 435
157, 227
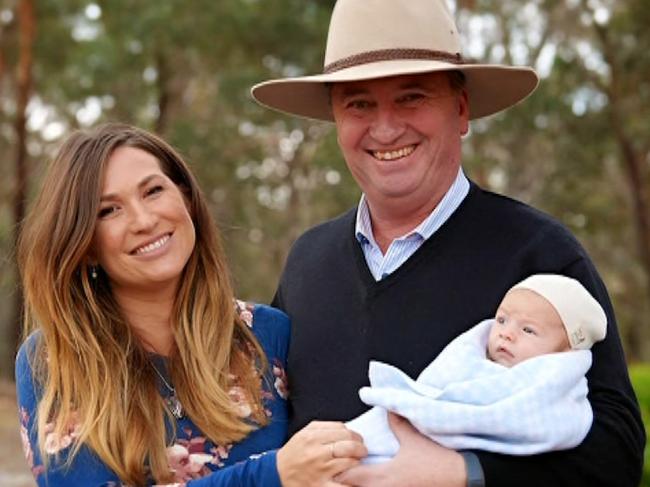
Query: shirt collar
426, 228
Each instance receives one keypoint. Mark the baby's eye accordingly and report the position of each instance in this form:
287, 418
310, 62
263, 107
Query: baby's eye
501, 320
529, 330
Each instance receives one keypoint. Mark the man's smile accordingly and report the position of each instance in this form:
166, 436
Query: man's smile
393, 154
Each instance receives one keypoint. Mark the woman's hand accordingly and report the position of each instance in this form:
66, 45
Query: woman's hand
318, 452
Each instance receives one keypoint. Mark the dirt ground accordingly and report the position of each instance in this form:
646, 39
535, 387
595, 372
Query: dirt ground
13, 468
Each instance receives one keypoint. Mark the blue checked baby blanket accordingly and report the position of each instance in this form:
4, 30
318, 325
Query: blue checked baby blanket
462, 400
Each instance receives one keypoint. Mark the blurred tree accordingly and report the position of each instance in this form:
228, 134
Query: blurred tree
627, 88
27, 33
184, 69
578, 148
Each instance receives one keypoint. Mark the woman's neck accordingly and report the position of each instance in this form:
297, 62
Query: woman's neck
149, 316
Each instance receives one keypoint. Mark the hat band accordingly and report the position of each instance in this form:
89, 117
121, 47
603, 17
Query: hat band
392, 55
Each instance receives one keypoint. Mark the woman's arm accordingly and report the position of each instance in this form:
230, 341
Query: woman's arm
86, 470
312, 458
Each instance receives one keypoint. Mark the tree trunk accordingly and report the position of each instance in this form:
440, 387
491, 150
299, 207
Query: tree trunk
27, 31
632, 162
163, 94
2, 60
632, 165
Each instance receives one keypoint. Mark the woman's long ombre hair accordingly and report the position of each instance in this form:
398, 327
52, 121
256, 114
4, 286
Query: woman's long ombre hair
92, 368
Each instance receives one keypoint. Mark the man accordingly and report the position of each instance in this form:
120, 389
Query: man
427, 253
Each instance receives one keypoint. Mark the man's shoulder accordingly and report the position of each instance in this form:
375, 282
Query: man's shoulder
491, 201
332, 227
503, 211
511, 228
333, 231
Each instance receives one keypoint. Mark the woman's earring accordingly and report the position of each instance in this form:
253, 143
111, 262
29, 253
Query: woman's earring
93, 272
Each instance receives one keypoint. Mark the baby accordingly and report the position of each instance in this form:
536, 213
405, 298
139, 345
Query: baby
545, 313
513, 384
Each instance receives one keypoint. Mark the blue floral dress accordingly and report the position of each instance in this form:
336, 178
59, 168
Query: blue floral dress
195, 460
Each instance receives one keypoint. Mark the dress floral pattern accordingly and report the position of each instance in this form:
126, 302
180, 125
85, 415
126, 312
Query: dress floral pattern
192, 457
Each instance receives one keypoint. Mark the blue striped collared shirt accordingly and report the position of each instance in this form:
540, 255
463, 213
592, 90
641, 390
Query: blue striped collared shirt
404, 247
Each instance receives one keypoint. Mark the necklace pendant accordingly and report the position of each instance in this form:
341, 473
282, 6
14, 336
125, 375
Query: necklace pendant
175, 406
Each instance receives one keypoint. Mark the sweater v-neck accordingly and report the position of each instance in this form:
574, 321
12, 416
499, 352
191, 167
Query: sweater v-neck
374, 287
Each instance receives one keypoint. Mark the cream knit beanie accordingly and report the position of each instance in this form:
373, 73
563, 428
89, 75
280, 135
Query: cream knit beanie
582, 316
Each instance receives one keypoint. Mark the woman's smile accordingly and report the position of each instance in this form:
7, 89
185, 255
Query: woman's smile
153, 248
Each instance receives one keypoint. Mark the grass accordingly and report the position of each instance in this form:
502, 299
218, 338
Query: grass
640, 375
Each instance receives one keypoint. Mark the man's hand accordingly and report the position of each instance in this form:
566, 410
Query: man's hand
420, 462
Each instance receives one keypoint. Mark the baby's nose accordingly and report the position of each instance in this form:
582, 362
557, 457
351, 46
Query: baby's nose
506, 334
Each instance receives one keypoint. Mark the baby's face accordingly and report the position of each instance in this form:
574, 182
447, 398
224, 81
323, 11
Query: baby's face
526, 325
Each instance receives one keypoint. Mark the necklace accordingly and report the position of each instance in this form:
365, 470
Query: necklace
173, 403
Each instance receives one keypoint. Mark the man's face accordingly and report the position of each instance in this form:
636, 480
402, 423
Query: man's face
400, 137
526, 325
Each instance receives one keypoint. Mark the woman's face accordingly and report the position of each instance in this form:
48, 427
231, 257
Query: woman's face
144, 234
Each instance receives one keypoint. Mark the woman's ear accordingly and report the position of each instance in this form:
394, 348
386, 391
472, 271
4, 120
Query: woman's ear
91, 257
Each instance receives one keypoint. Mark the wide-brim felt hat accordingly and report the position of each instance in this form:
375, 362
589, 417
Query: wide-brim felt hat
370, 39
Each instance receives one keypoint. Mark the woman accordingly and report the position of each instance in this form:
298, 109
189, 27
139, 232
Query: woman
140, 368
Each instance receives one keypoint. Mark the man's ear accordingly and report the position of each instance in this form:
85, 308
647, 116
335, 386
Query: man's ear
463, 111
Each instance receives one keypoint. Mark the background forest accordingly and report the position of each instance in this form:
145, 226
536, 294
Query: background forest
579, 148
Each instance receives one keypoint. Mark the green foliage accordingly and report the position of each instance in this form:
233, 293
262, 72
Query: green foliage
640, 376
184, 69
561, 149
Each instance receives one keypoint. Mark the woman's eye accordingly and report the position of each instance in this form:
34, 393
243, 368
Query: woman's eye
154, 190
106, 211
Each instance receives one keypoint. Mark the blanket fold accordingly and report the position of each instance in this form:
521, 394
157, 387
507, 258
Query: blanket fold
462, 400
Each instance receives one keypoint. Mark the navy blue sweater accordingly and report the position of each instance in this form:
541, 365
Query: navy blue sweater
342, 318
